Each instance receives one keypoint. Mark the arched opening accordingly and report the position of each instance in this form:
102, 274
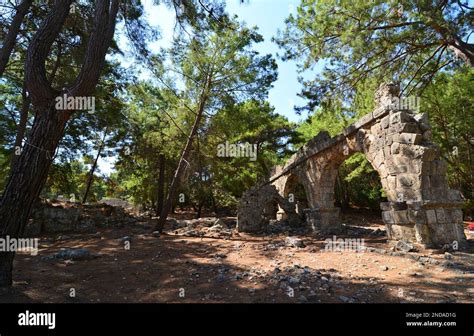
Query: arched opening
295, 193
357, 184
358, 192
270, 210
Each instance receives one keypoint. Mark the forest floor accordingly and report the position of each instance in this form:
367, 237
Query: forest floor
237, 268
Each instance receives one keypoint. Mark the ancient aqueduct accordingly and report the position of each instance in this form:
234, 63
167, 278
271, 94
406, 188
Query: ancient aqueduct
397, 142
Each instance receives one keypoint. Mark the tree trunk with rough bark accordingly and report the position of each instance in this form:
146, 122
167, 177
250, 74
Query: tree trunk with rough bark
180, 169
25, 109
94, 167
161, 184
30, 170
27, 179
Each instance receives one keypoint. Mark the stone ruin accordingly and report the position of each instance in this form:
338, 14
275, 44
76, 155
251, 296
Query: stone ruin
397, 142
60, 217
258, 204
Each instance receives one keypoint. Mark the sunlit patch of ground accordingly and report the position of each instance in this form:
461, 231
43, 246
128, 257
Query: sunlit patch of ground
244, 268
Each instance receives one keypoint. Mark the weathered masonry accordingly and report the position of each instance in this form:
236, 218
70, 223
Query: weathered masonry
397, 142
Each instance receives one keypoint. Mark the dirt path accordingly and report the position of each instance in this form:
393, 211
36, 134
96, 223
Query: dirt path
244, 268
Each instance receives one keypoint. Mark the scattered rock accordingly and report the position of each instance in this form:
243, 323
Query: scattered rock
219, 256
220, 222
384, 268
73, 254
216, 227
343, 298
378, 233
302, 299
293, 281
404, 247
294, 242
125, 239
191, 233
221, 278
156, 234
448, 256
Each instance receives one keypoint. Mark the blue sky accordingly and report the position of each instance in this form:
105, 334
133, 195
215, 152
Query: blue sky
268, 16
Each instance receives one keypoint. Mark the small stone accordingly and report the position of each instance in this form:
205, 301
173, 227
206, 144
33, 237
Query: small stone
221, 278
125, 239
293, 281
448, 256
404, 246
294, 242
302, 299
74, 254
343, 298
384, 268
156, 234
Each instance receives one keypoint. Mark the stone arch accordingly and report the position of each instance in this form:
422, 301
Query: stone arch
397, 143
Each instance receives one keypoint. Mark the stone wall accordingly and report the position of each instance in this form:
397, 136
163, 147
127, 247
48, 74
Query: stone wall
253, 212
72, 217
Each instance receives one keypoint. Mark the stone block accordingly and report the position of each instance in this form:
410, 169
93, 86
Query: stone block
407, 180
437, 181
431, 216
408, 194
396, 169
382, 171
380, 111
412, 152
400, 117
427, 135
404, 128
407, 138
401, 232
387, 217
400, 217
441, 216
415, 167
456, 216
438, 194
454, 195
385, 206
422, 233
439, 167
385, 122
400, 160
378, 160
363, 121
417, 216
375, 129
395, 148
430, 153
392, 182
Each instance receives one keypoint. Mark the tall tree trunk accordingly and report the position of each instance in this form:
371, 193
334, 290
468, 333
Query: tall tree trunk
214, 205
25, 108
12, 34
161, 185
175, 182
27, 179
30, 170
199, 209
94, 166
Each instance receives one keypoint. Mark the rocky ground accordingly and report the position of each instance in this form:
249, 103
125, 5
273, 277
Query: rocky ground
206, 260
